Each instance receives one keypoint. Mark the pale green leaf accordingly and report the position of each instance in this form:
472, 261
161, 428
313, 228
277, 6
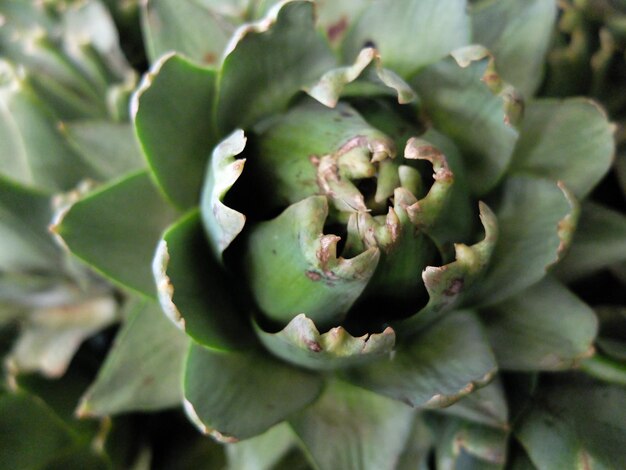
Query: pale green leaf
237, 395
353, 429
144, 369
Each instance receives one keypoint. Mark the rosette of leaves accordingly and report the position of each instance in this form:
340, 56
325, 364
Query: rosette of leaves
64, 93
350, 213
588, 57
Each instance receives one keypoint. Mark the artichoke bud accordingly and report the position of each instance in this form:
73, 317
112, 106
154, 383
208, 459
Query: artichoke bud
340, 180
356, 159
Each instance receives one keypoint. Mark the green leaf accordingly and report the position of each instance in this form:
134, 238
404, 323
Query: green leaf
32, 150
545, 327
409, 34
465, 445
576, 425
612, 336
187, 27
301, 343
262, 452
24, 218
531, 215
351, 428
221, 223
336, 17
599, 241
110, 148
518, 34
144, 369
116, 230
436, 367
32, 436
292, 267
416, 453
607, 369
447, 284
457, 96
194, 291
486, 405
240, 394
174, 124
284, 172
567, 140
327, 89
268, 63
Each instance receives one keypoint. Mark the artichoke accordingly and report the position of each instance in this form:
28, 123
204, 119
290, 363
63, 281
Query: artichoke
350, 211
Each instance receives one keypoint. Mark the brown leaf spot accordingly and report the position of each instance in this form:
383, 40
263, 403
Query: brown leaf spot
335, 30
147, 381
313, 345
313, 276
209, 58
455, 287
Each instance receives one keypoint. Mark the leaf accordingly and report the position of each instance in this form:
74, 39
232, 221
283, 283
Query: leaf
575, 424
187, 27
518, 34
221, 223
110, 148
531, 215
33, 436
301, 343
262, 452
240, 394
172, 114
447, 284
32, 150
194, 291
545, 327
24, 218
606, 368
116, 230
328, 88
51, 335
567, 140
144, 369
417, 451
351, 428
284, 172
267, 63
456, 96
435, 27
486, 405
599, 241
292, 267
436, 367
466, 445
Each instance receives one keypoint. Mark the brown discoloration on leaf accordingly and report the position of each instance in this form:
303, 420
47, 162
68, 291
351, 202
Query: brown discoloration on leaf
584, 460
456, 286
313, 276
209, 58
313, 346
336, 30
567, 225
225, 438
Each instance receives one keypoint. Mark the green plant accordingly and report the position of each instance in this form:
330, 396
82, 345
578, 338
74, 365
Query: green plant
351, 212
